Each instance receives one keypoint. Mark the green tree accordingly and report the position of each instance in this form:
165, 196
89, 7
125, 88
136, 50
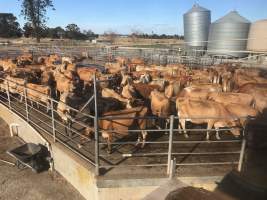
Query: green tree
74, 32
27, 30
90, 34
9, 27
35, 12
56, 33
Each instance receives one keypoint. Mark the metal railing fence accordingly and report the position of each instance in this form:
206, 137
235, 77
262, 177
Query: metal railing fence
102, 55
51, 124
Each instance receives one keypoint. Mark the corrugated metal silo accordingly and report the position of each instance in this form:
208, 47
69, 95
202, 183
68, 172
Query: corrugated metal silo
228, 35
258, 36
196, 26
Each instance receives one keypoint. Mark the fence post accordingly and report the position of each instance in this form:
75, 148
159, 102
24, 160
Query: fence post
26, 103
53, 120
242, 153
172, 168
96, 130
8, 95
170, 144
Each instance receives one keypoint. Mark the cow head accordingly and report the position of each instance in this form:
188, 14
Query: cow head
126, 79
129, 92
235, 127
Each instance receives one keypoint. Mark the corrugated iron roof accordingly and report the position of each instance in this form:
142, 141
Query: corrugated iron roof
197, 8
232, 17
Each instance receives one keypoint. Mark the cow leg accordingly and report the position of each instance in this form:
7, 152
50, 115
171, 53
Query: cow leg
47, 107
166, 126
154, 122
139, 139
65, 127
69, 127
217, 134
210, 125
182, 126
21, 98
144, 135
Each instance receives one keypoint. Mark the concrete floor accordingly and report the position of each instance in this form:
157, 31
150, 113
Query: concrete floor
25, 184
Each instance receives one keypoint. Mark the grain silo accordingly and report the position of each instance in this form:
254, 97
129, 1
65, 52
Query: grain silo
228, 36
258, 36
196, 27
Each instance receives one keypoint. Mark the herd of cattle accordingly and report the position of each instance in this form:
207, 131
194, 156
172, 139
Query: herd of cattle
129, 90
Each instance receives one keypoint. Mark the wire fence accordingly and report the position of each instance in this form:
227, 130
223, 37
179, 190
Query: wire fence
47, 118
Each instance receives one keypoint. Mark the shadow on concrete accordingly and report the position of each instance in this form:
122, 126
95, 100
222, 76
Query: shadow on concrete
251, 182
239, 187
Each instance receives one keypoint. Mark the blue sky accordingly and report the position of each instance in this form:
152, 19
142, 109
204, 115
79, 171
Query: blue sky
159, 16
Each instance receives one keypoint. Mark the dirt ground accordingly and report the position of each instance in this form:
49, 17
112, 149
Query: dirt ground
16, 184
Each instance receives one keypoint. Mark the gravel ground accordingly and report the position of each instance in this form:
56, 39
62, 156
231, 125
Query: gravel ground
26, 185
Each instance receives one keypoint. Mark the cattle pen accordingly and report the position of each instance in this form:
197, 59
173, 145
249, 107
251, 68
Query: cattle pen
163, 147
128, 169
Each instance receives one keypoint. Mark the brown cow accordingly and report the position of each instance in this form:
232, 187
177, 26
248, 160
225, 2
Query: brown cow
200, 91
50, 60
113, 126
113, 68
160, 104
86, 74
126, 79
8, 64
242, 79
122, 61
128, 92
160, 82
64, 84
229, 97
48, 78
227, 81
259, 92
161, 107
25, 59
107, 93
68, 60
39, 93
145, 90
210, 112
173, 89
242, 112
137, 61
14, 85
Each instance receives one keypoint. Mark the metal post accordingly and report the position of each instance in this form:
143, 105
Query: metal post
96, 130
170, 144
53, 120
8, 95
242, 153
26, 103
172, 169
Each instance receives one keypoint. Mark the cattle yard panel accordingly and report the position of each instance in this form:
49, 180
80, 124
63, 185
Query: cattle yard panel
171, 142
43, 121
92, 152
102, 55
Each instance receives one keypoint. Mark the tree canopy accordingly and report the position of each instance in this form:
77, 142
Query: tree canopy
9, 27
35, 12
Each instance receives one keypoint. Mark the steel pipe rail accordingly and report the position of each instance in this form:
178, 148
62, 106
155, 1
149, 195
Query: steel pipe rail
55, 128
